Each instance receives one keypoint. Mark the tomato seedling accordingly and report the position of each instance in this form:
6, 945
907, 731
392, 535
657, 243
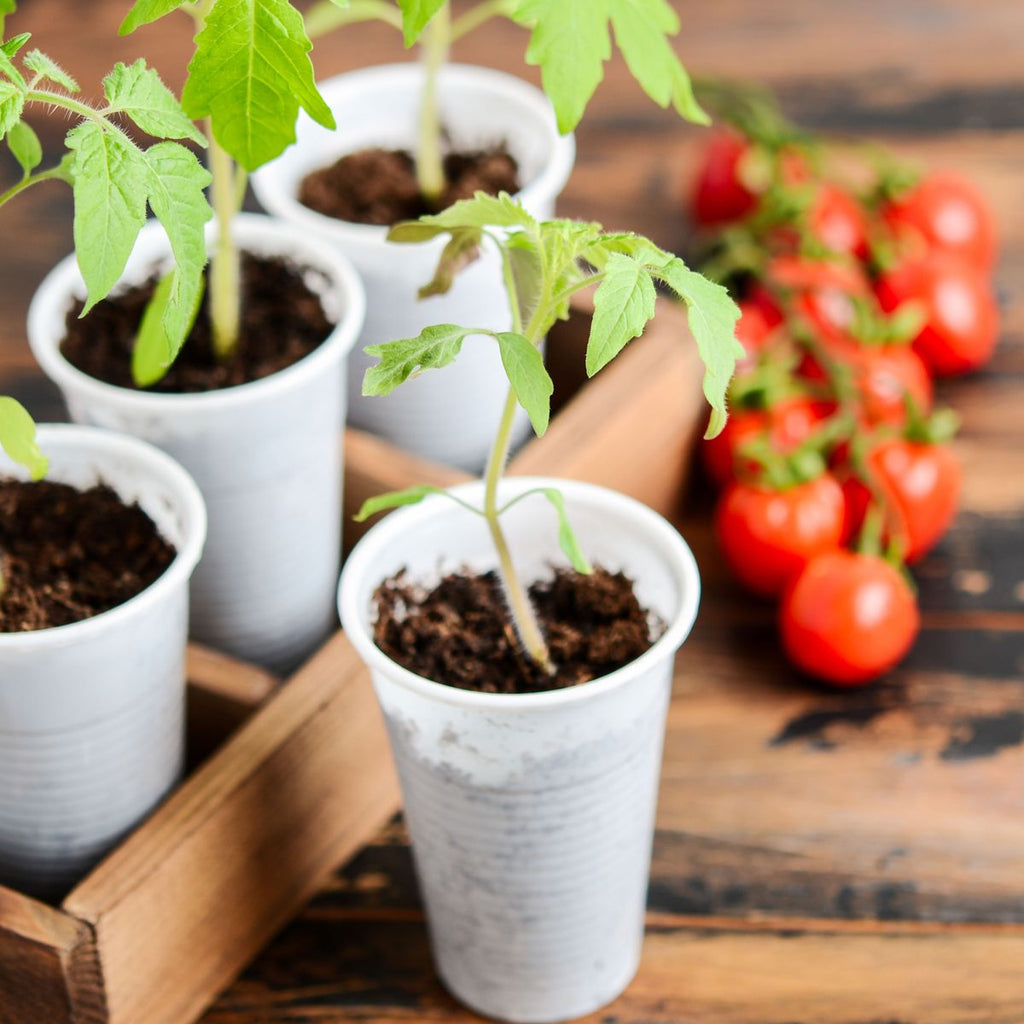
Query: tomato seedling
545, 263
248, 77
113, 178
569, 40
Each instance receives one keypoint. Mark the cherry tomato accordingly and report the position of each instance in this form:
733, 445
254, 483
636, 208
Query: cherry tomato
847, 618
839, 222
961, 317
767, 535
822, 292
752, 332
921, 487
945, 211
720, 195
885, 376
788, 424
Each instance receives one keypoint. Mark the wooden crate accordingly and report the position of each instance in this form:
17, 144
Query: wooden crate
631, 428
305, 779
174, 913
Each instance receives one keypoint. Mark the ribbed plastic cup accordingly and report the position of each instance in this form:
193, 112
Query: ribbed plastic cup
266, 455
452, 416
92, 713
531, 815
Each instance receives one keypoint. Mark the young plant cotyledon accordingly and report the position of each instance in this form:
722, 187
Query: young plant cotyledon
248, 77
545, 263
569, 40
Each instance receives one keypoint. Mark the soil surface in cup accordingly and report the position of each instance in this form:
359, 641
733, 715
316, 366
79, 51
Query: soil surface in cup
282, 321
66, 555
378, 186
459, 633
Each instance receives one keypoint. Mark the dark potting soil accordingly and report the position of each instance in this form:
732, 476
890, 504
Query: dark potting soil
66, 555
459, 633
378, 186
282, 322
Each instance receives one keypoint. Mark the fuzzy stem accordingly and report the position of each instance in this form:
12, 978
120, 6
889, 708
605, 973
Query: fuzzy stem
225, 273
429, 165
523, 619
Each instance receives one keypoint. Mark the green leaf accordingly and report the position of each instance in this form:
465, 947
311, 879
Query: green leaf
175, 183
623, 303
154, 350
482, 211
642, 28
570, 42
12, 103
25, 146
136, 90
432, 349
18, 438
415, 15
394, 499
527, 269
712, 316
13, 45
250, 74
462, 249
145, 11
47, 68
524, 367
110, 186
566, 537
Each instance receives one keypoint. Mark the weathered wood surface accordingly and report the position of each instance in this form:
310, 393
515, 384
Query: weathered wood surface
820, 858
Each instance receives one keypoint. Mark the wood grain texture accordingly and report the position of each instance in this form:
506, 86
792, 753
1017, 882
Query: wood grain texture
44, 955
241, 845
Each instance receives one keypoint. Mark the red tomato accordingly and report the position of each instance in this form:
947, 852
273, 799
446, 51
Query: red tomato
945, 211
962, 320
839, 222
822, 292
720, 195
921, 487
848, 618
752, 331
885, 376
767, 536
788, 424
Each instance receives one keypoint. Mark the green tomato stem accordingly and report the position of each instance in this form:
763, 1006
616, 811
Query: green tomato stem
478, 15
523, 619
429, 165
54, 173
57, 99
325, 16
225, 269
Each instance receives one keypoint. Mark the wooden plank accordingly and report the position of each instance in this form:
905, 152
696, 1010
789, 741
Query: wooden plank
695, 970
234, 852
42, 953
222, 695
373, 466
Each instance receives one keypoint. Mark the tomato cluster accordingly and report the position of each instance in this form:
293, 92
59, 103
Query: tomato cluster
834, 467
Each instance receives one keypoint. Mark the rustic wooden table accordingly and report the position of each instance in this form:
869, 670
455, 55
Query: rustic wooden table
821, 858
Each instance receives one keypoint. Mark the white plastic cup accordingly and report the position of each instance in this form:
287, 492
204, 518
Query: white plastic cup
449, 417
532, 815
266, 455
92, 714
